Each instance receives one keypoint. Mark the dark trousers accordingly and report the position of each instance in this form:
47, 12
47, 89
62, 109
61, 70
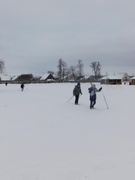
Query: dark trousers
76, 99
92, 101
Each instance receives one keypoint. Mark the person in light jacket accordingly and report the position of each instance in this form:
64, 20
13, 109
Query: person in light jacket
93, 90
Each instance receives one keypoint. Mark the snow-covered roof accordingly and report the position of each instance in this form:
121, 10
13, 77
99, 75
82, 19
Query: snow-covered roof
112, 77
133, 77
5, 77
14, 77
44, 76
117, 76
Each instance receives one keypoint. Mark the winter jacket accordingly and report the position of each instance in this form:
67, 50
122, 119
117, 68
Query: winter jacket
22, 86
77, 90
93, 91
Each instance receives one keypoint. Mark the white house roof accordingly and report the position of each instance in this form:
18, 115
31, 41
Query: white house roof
44, 76
5, 77
112, 77
133, 77
14, 77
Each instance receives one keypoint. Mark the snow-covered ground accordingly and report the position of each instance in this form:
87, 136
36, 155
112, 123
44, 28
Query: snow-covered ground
42, 137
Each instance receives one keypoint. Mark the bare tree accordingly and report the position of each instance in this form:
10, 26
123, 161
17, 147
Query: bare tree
62, 69
72, 72
80, 66
96, 68
2, 66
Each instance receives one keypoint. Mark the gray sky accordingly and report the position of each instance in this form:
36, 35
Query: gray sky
35, 34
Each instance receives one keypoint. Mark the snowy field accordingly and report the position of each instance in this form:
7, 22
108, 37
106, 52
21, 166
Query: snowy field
42, 137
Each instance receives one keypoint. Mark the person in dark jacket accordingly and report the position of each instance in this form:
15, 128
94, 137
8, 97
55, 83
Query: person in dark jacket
22, 86
76, 92
93, 90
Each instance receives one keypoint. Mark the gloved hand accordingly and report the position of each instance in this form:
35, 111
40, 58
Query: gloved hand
100, 89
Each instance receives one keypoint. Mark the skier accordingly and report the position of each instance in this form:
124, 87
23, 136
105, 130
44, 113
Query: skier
93, 90
76, 92
22, 86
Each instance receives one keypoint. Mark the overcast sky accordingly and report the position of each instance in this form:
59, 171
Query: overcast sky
35, 34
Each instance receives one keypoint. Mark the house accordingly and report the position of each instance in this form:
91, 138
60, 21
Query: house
125, 77
113, 79
24, 77
14, 77
47, 77
132, 82
5, 77
116, 79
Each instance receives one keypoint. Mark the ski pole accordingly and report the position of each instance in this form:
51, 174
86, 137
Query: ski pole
70, 98
105, 100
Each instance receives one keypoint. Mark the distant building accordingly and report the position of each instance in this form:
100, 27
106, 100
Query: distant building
116, 79
132, 82
14, 77
111, 80
24, 77
5, 77
125, 77
47, 77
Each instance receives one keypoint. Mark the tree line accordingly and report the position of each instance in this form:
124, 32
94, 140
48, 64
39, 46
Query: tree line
77, 71
65, 73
